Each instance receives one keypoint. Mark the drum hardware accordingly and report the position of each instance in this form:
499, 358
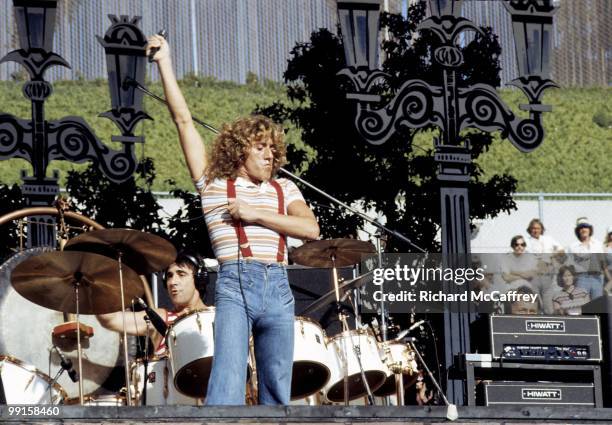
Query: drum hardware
144, 252
332, 254
330, 296
50, 280
64, 335
146, 360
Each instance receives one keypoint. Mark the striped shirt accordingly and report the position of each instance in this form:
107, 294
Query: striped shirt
170, 319
263, 241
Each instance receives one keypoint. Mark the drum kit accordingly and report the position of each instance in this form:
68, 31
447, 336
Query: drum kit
96, 273
355, 363
99, 272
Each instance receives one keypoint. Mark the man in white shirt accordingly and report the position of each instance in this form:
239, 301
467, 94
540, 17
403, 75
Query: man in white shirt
544, 248
537, 242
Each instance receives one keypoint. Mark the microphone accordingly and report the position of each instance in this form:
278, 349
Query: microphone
402, 334
67, 365
163, 33
158, 323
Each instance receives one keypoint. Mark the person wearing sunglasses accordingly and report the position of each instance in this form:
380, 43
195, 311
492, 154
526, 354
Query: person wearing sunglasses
518, 268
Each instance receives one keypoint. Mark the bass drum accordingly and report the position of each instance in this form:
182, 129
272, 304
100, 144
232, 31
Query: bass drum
25, 333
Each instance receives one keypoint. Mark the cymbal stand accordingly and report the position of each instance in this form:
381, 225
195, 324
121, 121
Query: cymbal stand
342, 319
399, 388
383, 313
77, 283
451, 408
51, 383
345, 327
125, 347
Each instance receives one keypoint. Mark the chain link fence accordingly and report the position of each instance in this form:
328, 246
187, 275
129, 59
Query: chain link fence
558, 212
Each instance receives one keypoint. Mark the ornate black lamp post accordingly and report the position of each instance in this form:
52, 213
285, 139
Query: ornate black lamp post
71, 139
451, 107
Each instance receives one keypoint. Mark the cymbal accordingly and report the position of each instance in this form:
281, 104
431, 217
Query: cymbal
347, 252
144, 252
48, 280
330, 296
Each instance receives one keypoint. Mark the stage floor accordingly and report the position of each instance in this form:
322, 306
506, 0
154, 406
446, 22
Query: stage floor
310, 415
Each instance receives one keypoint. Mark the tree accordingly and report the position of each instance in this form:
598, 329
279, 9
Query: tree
117, 205
397, 178
10, 200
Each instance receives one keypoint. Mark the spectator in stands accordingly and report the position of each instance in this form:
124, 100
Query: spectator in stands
570, 299
537, 242
545, 250
587, 258
517, 268
608, 260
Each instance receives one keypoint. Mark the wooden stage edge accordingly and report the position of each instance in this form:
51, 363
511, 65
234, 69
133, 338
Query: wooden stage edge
311, 415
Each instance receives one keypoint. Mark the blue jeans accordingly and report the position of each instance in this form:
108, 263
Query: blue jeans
269, 315
591, 283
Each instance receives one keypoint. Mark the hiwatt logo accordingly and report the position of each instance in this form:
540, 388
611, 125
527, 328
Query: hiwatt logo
545, 325
540, 394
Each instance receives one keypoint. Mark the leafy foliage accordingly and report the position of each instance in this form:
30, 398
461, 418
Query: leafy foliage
117, 205
570, 132
10, 200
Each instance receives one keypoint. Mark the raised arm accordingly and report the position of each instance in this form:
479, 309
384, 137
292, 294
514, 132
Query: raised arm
134, 322
191, 142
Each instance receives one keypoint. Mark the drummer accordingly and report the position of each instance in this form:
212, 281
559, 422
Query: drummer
183, 282
248, 215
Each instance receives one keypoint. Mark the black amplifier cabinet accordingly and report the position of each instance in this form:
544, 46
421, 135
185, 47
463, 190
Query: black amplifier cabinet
545, 338
538, 393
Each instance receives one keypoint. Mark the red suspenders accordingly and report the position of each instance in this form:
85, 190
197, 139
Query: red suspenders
245, 248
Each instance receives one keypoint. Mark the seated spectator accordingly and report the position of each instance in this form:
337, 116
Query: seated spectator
570, 299
517, 268
587, 258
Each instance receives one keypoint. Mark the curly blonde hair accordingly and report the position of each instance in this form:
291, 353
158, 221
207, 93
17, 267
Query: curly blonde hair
231, 147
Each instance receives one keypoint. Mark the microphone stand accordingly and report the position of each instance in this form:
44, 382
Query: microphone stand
130, 81
145, 362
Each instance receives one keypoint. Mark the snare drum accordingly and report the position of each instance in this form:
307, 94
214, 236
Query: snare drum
398, 358
342, 346
24, 384
160, 388
190, 343
310, 358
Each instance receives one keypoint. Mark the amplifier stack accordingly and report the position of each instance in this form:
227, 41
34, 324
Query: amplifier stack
541, 360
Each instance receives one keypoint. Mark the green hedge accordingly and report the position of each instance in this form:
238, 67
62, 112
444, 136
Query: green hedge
575, 157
